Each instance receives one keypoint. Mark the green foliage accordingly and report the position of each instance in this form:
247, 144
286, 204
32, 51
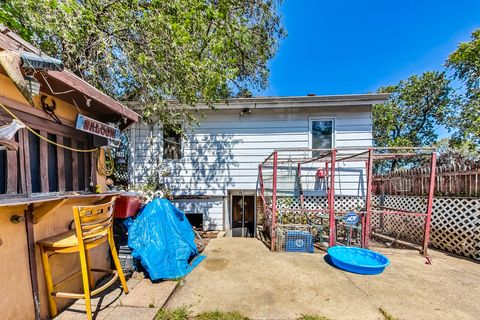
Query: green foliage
154, 51
459, 152
172, 314
465, 63
415, 109
183, 314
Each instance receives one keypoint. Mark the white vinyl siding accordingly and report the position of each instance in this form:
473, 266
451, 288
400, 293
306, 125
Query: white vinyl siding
211, 209
224, 151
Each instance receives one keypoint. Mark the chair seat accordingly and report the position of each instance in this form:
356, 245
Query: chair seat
65, 240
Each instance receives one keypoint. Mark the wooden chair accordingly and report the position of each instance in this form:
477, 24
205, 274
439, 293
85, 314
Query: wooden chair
93, 226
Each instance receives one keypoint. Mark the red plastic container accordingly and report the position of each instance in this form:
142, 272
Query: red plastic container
127, 206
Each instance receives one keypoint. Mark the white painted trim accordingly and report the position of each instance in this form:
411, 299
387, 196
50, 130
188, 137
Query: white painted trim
334, 129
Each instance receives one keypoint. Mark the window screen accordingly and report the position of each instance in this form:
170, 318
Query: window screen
68, 163
322, 132
172, 148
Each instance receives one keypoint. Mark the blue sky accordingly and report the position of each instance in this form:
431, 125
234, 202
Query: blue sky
355, 46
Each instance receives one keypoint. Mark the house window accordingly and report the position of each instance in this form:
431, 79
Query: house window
172, 144
321, 133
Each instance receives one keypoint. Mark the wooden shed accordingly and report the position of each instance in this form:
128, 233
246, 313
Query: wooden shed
40, 181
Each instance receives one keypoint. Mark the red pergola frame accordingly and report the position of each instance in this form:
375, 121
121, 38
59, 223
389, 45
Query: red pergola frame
369, 156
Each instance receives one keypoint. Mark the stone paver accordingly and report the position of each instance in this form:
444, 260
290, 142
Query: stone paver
143, 301
148, 294
132, 313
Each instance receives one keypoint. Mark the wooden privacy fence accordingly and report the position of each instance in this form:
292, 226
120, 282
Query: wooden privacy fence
461, 180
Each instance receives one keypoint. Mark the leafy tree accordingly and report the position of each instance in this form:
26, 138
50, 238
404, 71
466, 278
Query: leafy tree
156, 51
460, 152
410, 117
465, 63
416, 108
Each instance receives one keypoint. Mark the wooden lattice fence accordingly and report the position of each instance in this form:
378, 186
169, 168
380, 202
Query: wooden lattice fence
455, 220
462, 180
455, 223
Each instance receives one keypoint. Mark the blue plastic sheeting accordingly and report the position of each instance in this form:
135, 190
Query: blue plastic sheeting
162, 239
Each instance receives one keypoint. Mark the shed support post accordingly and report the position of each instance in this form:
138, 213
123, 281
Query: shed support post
274, 202
431, 190
331, 202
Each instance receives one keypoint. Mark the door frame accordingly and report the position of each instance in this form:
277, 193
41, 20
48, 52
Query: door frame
244, 192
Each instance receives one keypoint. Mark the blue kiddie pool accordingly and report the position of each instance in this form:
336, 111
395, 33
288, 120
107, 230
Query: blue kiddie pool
358, 260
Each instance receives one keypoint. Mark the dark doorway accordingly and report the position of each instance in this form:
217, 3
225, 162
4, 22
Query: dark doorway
243, 216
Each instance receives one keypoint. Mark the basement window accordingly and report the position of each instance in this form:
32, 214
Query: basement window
172, 145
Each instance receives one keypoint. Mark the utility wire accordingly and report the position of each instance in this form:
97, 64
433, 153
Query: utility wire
42, 137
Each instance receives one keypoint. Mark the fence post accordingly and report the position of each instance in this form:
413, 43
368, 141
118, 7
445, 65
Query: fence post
431, 191
274, 202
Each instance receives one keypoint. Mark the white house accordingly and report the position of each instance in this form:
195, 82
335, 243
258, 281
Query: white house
217, 161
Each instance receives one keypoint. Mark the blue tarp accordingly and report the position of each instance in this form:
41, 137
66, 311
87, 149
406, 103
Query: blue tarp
162, 239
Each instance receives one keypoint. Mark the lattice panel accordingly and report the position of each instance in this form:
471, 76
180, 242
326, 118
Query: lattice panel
406, 203
405, 227
342, 203
456, 226
455, 223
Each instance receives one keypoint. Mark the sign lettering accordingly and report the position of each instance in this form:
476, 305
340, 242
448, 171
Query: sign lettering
97, 128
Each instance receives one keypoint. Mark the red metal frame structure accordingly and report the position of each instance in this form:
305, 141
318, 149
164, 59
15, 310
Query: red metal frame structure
332, 157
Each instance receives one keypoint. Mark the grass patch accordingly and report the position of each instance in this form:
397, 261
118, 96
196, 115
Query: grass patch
386, 315
174, 314
311, 317
219, 315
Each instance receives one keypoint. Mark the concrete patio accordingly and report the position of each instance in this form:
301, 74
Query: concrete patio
142, 303
243, 275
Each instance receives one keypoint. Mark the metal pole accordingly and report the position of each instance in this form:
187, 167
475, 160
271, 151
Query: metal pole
243, 214
300, 189
262, 189
431, 190
331, 202
368, 204
274, 202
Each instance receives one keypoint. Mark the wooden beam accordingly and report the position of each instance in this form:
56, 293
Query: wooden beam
74, 166
44, 163
37, 119
26, 150
12, 171
47, 207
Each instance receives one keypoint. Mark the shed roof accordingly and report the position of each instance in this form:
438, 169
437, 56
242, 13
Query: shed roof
344, 100
103, 106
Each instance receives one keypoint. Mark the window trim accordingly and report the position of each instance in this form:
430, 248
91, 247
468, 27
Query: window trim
182, 142
334, 129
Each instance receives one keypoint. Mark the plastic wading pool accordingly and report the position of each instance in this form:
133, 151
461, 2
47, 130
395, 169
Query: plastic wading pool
358, 260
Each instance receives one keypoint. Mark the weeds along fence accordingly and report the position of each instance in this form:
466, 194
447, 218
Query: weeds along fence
460, 180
